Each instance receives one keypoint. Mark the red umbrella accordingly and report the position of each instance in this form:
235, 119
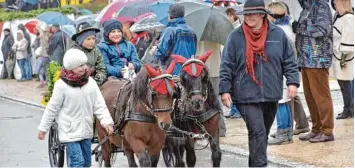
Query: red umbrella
110, 11
31, 26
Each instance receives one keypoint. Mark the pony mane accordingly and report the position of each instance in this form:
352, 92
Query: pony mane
137, 89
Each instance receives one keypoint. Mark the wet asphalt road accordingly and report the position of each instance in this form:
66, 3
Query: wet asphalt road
19, 146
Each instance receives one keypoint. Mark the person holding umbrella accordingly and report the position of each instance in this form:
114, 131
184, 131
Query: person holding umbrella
255, 58
56, 44
177, 38
84, 40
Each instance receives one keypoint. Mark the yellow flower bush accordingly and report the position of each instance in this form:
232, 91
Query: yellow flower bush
53, 71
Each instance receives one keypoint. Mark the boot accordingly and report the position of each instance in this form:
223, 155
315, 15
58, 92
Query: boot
282, 137
343, 115
290, 134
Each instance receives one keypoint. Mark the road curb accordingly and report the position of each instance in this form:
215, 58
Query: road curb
22, 101
224, 148
271, 159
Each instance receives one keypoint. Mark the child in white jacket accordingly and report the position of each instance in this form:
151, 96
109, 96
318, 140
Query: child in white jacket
76, 98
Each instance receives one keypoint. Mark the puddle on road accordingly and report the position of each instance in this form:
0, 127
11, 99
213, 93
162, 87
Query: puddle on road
15, 118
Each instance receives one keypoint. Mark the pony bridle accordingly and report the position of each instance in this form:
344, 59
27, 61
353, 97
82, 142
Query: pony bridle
150, 107
204, 93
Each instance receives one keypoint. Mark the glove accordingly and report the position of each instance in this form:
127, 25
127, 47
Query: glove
342, 60
294, 26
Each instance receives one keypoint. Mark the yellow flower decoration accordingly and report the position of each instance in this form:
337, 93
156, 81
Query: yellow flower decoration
56, 76
53, 71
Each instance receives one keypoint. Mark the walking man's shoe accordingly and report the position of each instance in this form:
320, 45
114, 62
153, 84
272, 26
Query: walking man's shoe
343, 115
322, 138
308, 136
300, 131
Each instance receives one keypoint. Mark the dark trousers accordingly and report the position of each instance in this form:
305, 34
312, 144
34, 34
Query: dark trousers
259, 118
317, 94
345, 87
298, 113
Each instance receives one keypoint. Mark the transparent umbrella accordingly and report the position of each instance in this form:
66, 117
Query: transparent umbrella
209, 23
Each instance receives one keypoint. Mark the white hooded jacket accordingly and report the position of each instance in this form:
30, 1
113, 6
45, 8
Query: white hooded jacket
20, 47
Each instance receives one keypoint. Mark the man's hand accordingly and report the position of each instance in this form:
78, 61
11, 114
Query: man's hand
41, 135
152, 50
226, 99
131, 66
292, 91
109, 129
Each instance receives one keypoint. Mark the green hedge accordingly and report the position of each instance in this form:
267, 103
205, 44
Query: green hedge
9, 16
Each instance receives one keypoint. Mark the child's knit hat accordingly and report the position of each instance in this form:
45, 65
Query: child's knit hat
74, 58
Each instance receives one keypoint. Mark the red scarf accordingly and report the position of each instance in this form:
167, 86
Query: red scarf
74, 80
255, 46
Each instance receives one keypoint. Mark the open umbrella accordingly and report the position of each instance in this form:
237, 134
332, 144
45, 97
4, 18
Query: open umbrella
160, 9
85, 12
146, 23
55, 18
91, 19
32, 2
110, 11
31, 26
209, 23
68, 30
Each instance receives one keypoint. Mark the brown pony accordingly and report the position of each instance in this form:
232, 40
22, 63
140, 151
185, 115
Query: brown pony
198, 112
141, 109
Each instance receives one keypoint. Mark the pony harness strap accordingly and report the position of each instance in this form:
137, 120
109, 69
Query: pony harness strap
193, 67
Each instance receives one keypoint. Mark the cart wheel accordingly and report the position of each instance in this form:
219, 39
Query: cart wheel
168, 156
55, 148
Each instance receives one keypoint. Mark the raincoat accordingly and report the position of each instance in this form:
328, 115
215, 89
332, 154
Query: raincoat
7, 43
343, 45
56, 47
177, 38
96, 62
116, 56
281, 62
314, 35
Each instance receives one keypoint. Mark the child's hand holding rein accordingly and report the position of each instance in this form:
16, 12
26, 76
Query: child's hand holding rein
109, 129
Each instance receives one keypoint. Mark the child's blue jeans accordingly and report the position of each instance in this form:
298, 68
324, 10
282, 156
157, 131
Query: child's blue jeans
234, 111
79, 153
283, 116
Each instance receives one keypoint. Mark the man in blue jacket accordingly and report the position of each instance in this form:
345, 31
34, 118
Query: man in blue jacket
117, 51
177, 38
255, 58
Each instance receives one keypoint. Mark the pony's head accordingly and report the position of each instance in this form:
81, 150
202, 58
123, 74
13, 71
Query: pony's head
158, 97
194, 78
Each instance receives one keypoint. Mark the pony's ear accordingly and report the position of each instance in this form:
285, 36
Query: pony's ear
179, 59
152, 72
171, 67
205, 56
